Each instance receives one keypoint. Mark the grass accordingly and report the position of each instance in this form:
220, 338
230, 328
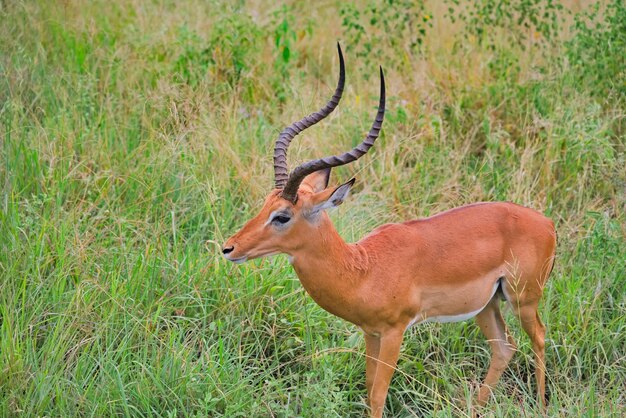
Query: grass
135, 137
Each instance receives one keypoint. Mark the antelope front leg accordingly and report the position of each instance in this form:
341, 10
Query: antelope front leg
389, 350
372, 350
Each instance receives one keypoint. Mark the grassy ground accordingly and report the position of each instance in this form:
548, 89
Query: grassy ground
136, 136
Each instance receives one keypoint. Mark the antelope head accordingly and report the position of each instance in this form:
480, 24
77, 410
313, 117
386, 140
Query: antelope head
298, 203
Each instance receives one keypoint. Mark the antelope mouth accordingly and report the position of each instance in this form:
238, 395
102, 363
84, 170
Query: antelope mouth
238, 260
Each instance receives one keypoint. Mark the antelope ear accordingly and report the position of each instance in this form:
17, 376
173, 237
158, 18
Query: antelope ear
317, 181
330, 198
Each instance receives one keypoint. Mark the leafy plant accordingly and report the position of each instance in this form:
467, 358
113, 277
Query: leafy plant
391, 31
226, 55
597, 51
284, 40
509, 22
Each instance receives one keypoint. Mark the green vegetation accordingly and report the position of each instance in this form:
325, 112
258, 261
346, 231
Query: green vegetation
136, 136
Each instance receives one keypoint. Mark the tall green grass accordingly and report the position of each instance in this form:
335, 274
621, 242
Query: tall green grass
135, 137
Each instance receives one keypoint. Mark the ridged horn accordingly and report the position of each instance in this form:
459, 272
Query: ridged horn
285, 137
290, 192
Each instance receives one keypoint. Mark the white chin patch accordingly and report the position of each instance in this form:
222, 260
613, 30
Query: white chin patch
291, 259
237, 260
244, 259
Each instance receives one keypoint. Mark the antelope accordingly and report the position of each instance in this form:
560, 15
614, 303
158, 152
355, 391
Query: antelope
452, 266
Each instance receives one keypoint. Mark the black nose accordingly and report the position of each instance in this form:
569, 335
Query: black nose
227, 250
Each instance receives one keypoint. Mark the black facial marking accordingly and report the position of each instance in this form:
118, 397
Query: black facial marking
281, 218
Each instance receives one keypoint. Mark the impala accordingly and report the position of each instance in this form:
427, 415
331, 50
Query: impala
450, 267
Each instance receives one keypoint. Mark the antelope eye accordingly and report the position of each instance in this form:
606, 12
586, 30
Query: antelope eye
280, 219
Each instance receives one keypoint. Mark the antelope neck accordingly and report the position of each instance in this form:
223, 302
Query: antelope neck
330, 269
325, 247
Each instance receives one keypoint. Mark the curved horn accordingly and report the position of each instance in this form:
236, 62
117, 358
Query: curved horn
285, 137
290, 192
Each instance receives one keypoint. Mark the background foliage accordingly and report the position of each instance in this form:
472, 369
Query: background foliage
135, 137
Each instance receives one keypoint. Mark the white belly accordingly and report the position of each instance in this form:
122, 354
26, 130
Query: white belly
422, 318
454, 318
